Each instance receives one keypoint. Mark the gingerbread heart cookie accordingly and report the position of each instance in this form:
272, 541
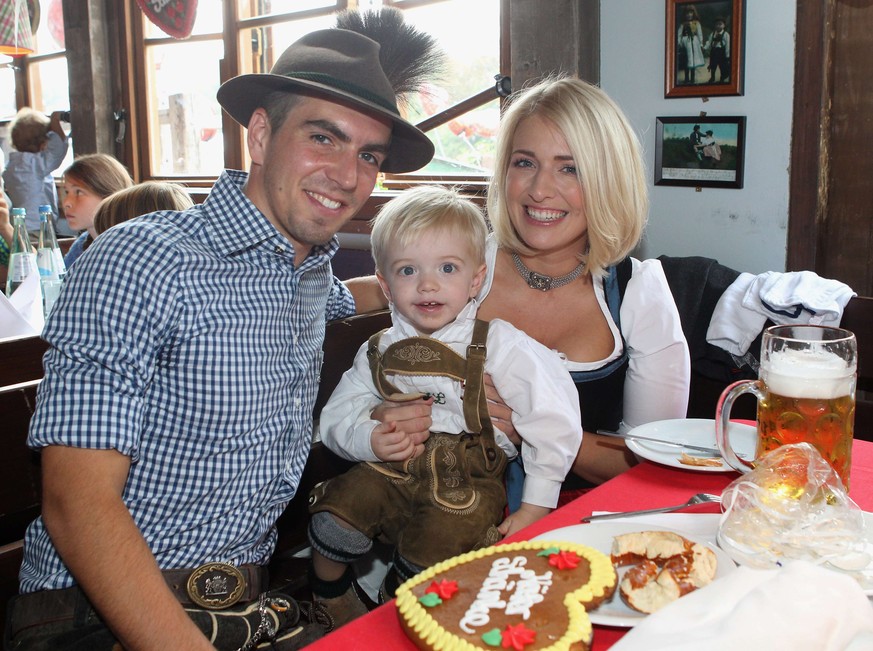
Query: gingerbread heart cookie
528, 596
175, 17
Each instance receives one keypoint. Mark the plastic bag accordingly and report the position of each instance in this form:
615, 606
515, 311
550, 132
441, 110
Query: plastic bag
793, 506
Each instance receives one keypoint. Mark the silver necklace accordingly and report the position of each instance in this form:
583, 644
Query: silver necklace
541, 281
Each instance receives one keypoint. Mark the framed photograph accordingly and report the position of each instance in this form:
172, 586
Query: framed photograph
705, 42
700, 151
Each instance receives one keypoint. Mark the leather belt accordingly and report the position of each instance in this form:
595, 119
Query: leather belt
213, 586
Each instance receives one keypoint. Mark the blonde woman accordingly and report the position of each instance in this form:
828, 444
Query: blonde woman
568, 202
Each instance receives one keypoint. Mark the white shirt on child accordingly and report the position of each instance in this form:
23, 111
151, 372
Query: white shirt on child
530, 378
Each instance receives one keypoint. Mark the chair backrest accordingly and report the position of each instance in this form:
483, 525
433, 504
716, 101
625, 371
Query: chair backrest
858, 317
342, 339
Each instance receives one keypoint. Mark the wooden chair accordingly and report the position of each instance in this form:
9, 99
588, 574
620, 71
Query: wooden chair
341, 342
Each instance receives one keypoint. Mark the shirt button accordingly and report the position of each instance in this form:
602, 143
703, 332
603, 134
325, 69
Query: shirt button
280, 250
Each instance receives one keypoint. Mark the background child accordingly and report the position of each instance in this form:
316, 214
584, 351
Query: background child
446, 496
40, 146
139, 199
89, 180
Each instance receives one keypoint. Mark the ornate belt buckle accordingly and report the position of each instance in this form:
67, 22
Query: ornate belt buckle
216, 585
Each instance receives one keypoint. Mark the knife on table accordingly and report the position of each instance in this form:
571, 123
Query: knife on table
687, 446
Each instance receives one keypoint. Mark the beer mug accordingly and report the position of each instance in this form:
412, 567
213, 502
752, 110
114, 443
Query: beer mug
806, 394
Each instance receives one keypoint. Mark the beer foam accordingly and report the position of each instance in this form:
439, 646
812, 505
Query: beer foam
808, 374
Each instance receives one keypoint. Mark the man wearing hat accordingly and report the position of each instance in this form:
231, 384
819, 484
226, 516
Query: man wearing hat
174, 417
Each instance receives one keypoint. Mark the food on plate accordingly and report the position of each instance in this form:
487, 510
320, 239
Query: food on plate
688, 460
528, 595
666, 566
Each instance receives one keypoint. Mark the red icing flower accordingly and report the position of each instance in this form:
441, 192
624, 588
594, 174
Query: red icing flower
444, 589
517, 637
564, 560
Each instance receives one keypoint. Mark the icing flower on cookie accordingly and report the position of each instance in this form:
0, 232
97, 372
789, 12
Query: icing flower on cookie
564, 560
444, 589
517, 637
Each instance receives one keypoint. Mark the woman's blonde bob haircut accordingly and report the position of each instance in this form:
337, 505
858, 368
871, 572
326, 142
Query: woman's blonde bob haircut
608, 160
426, 209
140, 199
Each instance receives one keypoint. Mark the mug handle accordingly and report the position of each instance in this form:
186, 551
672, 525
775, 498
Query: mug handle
723, 417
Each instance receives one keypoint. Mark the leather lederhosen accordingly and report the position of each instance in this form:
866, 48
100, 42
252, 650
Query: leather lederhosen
452, 488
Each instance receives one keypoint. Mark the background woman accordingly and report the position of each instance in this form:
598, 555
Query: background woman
690, 44
87, 182
139, 199
568, 202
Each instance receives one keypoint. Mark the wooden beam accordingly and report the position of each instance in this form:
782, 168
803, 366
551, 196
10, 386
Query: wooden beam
570, 27
89, 65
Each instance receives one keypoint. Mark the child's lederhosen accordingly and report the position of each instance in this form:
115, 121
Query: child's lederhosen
449, 499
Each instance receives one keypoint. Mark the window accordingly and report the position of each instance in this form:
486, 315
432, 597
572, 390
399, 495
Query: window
44, 73
185, 125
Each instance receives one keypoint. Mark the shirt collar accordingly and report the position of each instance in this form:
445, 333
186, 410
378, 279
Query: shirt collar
235, 224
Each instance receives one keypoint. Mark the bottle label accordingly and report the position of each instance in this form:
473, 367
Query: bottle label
45, 261
21, 265
60, 267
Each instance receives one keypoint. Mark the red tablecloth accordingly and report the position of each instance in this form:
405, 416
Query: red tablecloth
647, 485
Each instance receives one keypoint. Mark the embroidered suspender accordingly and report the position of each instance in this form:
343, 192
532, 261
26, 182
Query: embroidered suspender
427, 356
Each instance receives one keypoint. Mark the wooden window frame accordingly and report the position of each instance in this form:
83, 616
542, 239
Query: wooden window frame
134, 97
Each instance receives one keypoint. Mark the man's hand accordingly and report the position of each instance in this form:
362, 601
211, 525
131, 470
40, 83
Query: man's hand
526, 514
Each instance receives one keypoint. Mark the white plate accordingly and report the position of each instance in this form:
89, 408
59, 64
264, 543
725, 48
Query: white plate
693, 431
599, 535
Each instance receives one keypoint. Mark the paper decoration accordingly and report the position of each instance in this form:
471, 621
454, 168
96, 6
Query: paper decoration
175, 17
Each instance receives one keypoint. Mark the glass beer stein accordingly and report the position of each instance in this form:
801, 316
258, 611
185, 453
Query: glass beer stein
806, 394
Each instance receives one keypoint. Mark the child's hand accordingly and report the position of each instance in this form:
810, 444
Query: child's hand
391, 444
411, 417
526, 514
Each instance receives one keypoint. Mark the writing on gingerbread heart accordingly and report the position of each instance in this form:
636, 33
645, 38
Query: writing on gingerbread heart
175, 17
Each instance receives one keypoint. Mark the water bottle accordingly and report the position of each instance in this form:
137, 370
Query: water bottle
49, 259
22, 259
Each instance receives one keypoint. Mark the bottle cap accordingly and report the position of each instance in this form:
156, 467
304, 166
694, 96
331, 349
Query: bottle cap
19, 212
45, 208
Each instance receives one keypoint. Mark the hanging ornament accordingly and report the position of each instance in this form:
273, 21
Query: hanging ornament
175, 17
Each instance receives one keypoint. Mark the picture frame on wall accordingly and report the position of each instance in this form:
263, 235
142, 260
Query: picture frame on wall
705, 42
700, 151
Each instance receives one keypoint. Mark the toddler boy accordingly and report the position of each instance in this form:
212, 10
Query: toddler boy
446, 496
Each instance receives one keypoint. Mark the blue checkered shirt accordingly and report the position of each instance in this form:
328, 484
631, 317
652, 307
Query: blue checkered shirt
188, 342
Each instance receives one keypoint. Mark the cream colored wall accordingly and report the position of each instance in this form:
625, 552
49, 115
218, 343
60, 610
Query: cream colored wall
745, 229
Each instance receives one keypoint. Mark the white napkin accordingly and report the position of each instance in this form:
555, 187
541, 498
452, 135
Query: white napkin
798, 607
22, 314
792, 298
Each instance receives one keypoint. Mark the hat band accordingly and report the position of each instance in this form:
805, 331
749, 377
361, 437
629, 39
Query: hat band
346, 87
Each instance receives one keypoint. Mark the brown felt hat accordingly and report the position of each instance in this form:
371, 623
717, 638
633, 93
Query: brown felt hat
336, 63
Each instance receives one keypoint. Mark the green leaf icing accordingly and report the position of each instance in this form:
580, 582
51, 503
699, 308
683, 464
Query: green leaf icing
492, 637
430, 600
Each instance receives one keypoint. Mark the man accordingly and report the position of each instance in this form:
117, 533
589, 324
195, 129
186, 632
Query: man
695, 137
174, 418
719, 47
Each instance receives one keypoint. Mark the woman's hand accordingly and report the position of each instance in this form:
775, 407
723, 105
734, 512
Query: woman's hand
501, 415
409, 419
